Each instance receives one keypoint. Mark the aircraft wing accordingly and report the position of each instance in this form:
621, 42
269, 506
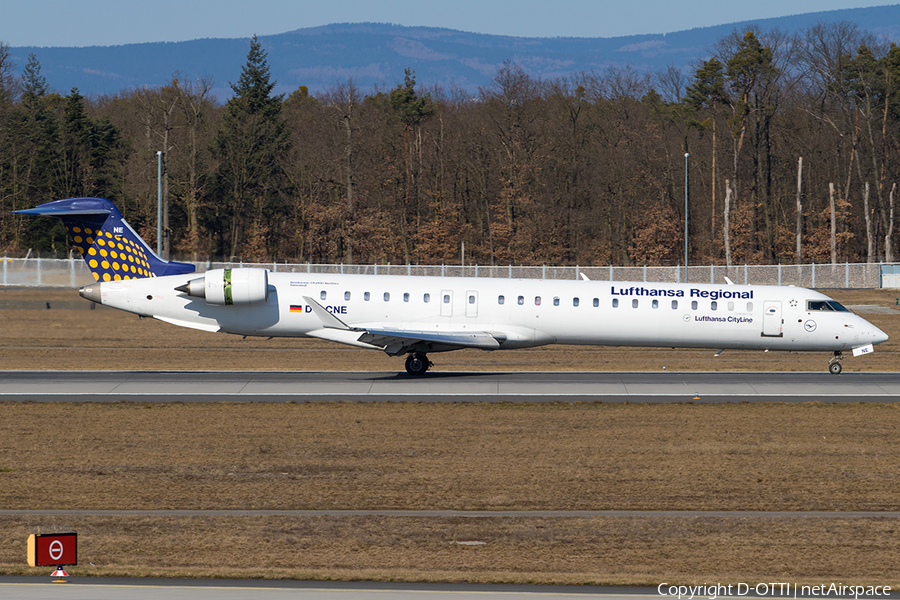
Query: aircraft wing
400, 341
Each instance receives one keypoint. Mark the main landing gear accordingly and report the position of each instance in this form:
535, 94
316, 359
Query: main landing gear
834, 365
417, 364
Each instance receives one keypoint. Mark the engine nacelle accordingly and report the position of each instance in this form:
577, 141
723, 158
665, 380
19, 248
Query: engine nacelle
230, 286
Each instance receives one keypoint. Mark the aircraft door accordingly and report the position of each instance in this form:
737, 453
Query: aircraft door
471, 303
446, 303
772, 321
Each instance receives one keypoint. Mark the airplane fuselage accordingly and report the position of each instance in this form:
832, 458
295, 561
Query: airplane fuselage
518, 313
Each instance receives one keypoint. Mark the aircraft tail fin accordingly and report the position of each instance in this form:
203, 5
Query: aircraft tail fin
108, 244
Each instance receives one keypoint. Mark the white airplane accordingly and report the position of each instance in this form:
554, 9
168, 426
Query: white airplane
414, 316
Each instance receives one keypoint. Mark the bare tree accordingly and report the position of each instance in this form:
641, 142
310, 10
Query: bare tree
8, 93
196, 106
799, 207
888, 236
343, 101
726, 225
672, 83
159, 104
834, 222
870, 238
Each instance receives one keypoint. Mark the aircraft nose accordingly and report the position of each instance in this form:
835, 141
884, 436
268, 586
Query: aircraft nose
878, 336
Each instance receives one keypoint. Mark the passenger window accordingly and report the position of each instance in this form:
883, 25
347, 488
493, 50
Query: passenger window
749, 307
367, 296
615, 303
596, 302
634, 303
426, 298
674, 304
446, 298
387, 296
714, 305
346, 295
575, 301
655, 304
731, 306
520, 300
323, 294
501, 299
693, 305
556, 301
537, 300
406, 296
471, 299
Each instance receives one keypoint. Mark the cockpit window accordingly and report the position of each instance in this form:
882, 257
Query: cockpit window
825, 305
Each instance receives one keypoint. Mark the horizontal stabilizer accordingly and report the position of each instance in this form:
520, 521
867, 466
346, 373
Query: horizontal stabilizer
71, 207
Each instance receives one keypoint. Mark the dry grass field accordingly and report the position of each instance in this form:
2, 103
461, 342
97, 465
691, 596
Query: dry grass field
459, 456
571, 456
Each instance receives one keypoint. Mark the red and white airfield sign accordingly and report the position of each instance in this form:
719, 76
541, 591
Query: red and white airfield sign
52, 549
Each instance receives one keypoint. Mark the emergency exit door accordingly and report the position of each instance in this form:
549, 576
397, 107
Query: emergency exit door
446, 303
471, 303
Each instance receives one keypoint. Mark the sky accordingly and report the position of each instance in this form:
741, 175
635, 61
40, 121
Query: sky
115, 22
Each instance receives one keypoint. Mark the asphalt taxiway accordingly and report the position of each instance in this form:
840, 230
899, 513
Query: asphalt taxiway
257, 386
32, 588
91, 588
95, 588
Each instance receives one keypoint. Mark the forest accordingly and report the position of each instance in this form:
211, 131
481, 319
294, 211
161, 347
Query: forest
784, 147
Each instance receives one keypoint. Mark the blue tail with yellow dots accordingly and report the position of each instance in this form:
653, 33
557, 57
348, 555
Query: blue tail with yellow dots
110, 247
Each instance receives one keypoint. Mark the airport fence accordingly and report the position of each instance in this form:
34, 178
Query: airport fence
73, 273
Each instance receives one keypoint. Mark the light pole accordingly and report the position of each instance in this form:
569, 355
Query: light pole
159, 203
686, 156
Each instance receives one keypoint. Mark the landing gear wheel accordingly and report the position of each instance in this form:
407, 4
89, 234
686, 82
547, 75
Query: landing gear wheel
834, 365
417, 364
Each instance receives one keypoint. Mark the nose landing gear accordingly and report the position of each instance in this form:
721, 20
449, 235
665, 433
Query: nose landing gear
417, 364
834, 365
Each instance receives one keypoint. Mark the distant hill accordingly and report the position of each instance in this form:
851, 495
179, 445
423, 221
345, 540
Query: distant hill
376, 55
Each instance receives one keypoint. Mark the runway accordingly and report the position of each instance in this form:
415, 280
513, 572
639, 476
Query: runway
90, 588
177, 589
340, 386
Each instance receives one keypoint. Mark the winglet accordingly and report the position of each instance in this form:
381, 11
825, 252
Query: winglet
328, 319
108, 244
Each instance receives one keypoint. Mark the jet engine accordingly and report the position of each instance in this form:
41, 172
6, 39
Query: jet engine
229, 286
